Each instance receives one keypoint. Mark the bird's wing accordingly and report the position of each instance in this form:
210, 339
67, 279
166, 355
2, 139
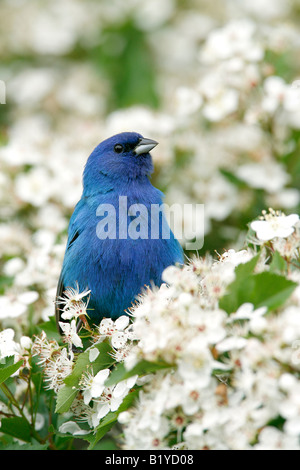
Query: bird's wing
75, 228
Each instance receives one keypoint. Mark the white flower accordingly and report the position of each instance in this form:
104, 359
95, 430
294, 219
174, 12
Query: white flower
275, 226
12, 306
121, 389
26, 342
111, 398
290, 330
271, 438
209, 324
269, 176
235, 39
156, 12
32, 85
58, 368
44, 348
119, 339
188, 101
73, 295
287, 198
116, 330
246, 312
70, 332
75, 311
220, 198
8, 347
93, 354
13, 266
34, 187
230, 343
106, 327
292, 426
93, 386
72, 302
122, 322
124, 417
221, 102
236, 257
257, 323
277, 93
72, 428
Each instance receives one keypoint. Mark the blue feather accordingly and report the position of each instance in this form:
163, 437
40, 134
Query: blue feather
116, 269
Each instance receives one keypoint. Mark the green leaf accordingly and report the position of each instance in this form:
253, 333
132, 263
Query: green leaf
65, 398
278, 264
83, 363
68, 392
108, 421
106, 444
232, 178
16, 427
140, 369
101, 432
50, 328
235, 292
262, 289
7, 370
37, 379
245, 269
271, 290
16, 446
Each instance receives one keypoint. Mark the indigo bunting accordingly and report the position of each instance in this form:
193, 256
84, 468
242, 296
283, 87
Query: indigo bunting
118, 238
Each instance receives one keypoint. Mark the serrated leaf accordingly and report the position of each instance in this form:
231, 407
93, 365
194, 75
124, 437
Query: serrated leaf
82, 364
67, 393
245, 269
7, 371
65, 398
262, 289
235, 291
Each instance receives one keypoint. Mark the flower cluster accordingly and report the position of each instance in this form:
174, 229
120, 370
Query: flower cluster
232, 376
210, 360
93, 400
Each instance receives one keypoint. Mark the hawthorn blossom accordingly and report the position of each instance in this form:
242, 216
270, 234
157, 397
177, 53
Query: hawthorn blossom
58, 368
8, 347
278, 93
269, 176
15, 305
73, 305
93, 386
112, 397
118, 331
44, 348
275, 225
70, 333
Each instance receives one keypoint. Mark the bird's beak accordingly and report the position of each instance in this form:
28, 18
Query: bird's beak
144, 146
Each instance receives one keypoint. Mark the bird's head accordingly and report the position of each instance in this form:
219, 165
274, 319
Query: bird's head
120, 158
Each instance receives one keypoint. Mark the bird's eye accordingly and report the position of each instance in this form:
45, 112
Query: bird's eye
118, 148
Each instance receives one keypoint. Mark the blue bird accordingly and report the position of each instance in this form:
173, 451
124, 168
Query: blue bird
115, 255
